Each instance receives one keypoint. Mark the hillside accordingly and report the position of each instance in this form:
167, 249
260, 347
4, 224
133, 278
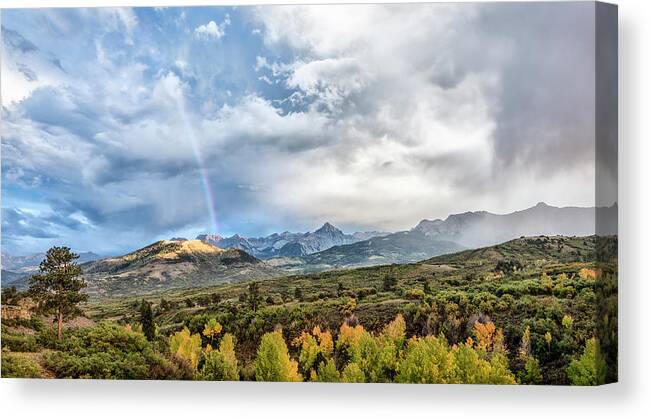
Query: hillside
402, 247
13, 279
558, 249
172, 264
535, 282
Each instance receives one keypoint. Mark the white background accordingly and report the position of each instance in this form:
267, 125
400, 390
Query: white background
628, 398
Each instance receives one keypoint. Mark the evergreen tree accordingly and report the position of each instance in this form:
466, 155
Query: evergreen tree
57, 288
426, 287
298, 294
253, 297
147, 320
340, 289
215, 298
389, 283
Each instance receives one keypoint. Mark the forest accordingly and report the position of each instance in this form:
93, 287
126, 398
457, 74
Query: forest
535, 310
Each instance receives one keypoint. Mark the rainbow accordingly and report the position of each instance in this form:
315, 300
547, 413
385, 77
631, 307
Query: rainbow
205, 179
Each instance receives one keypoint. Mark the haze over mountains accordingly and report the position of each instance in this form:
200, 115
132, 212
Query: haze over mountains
31, 262
427, 239
481, 228
16, 269
211, 259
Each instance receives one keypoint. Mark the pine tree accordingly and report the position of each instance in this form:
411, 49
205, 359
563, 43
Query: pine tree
253, 297
57, 287
147, 320
298, 294
389, 283
215, 298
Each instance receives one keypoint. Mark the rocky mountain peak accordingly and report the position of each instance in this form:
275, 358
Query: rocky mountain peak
328, 228
209, 238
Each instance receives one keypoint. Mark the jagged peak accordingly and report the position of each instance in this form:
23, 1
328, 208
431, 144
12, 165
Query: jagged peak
209, 237
328, 228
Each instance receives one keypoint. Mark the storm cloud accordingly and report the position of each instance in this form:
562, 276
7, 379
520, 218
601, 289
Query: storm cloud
367, 116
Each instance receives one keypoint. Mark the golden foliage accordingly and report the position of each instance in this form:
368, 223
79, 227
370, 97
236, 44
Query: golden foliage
186, 346
589, 274
484, 333
212, 329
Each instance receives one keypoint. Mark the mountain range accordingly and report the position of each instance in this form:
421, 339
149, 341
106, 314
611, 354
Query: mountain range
431, 238
481, 228
30, 263
212, 259
289, 244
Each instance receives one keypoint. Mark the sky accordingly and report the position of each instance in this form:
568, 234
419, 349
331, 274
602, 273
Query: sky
125, 126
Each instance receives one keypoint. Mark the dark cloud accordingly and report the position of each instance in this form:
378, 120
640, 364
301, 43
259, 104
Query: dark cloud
16, 223
545, 104
16, 41
27, 72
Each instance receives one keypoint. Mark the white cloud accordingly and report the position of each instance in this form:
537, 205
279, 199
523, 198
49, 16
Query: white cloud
212, 30
25, 70
371, 72
119, 19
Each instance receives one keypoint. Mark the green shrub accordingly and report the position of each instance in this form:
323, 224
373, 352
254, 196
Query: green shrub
531, 373
107, 351
589, 369
20, 343
415, 294
15, 366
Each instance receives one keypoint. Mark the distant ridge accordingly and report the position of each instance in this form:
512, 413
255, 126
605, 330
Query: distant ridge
481, 228
16, 270
467, 230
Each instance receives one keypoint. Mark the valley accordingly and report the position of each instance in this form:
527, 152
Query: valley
544, 287
527, 310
